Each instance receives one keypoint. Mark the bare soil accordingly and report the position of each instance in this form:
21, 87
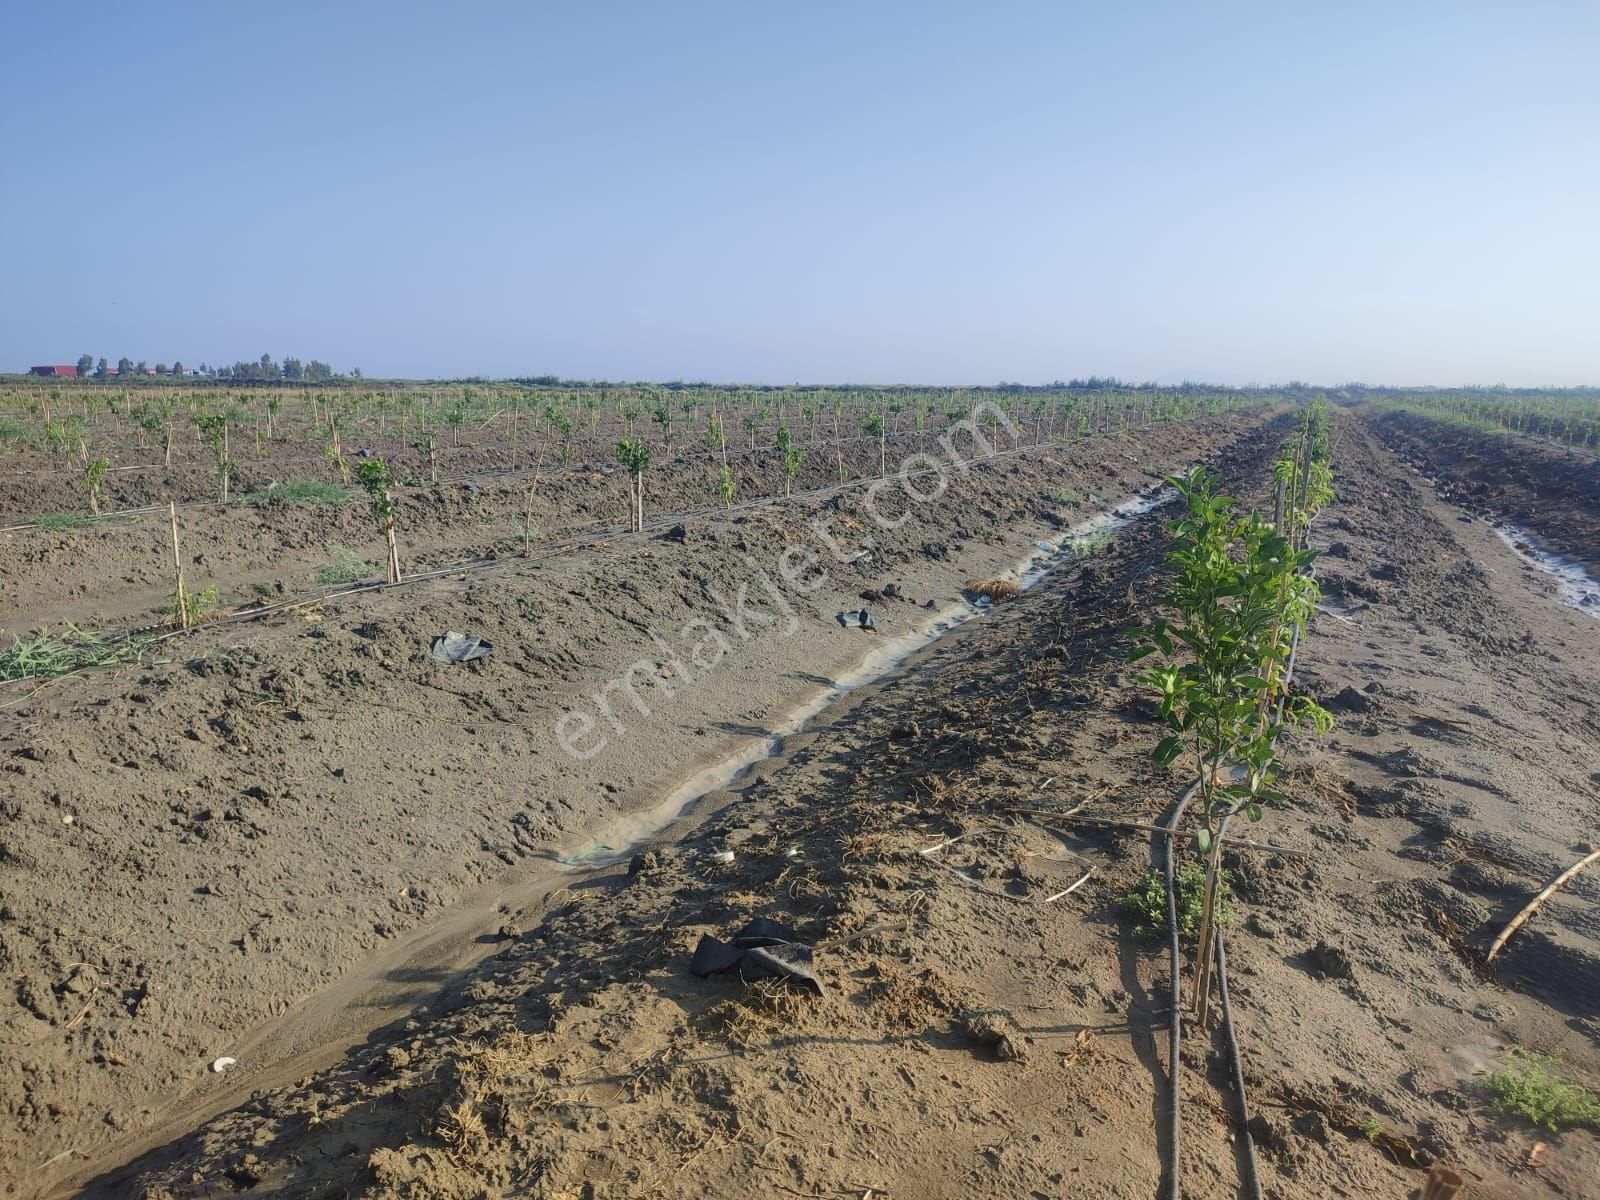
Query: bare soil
1543, 488
982, 1034
285, 833
119, 572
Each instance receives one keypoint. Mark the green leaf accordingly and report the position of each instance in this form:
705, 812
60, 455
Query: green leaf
1166, 751
1202, 840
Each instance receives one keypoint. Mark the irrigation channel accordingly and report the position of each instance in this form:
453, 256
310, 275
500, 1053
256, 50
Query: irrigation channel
1575, 587
409, 972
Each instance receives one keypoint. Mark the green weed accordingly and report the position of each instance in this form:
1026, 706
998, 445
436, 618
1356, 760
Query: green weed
1531, 1086
46, 657
301, 491
60, 522
1147, 902
347, 567
192, 607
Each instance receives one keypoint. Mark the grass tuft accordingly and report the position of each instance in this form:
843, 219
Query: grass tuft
1532, 1087
46, 657
301, 491
58, 522
347, 567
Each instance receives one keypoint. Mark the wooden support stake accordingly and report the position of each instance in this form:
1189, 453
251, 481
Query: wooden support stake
1443, 1183
388, 534
177, 565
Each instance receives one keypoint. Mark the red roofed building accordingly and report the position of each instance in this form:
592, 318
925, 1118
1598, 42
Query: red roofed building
56, 372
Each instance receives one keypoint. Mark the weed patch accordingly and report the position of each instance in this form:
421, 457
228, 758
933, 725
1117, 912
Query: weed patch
301, 491
45, 657
60, 522
1146, 904
347, 567
1531, 1086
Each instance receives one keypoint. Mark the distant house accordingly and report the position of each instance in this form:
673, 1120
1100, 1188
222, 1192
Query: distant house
61, 371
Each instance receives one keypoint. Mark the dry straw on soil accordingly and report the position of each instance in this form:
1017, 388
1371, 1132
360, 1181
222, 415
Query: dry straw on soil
996, 590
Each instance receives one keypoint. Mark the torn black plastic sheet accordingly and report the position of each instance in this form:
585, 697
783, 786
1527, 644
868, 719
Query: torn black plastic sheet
763, 949
453, 647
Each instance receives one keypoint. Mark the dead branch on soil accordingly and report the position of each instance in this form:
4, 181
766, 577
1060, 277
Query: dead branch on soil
1533, 906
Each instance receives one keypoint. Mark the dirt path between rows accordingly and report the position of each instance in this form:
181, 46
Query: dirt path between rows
203, 850
1549, 492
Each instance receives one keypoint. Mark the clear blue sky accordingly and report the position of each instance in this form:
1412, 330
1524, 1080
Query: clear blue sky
882, 192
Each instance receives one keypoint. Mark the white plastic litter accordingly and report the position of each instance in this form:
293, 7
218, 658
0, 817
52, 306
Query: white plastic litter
219, 1065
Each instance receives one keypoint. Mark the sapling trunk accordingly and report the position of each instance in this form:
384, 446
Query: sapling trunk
1208, 925
388, 534
527, 508
634, 454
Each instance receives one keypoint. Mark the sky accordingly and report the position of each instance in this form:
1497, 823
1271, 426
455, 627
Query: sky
869, 193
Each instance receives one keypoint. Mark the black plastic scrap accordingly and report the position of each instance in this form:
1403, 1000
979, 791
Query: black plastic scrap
763, 949
857, 618
456, 647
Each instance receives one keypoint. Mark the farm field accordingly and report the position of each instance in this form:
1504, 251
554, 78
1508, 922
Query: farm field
310, 791
854, 603
479, 473
450, 959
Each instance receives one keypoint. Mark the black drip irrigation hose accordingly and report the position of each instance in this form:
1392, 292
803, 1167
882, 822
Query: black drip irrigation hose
1252, 1172
1175, 980
1252, 1180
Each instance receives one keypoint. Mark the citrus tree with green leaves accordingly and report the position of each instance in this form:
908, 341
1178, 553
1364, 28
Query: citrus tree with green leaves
872, 424
634, 454
792, 457
374, 477
1238, 585
213, 427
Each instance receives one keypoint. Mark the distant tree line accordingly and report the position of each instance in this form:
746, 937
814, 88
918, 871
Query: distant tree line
263, 370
